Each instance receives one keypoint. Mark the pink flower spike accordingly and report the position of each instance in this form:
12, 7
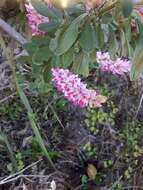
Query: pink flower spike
116, 67
75, 90
34, 19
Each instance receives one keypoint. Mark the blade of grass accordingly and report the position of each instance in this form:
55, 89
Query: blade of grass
32, 120
26, 103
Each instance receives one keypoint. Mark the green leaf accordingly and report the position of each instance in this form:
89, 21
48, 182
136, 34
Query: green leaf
84, 68
48, 26
113, 44
107, 18
140, 27
38, 40
137, 61
75, 10
67, 39
56, 61
128, 35
87, 39
81, 64
47, 72
92, 59
99, 36
42, 55
127, 7
64, 40
46, 11
67, 58
35, 43
55, 41
30, 47
36, 70
24, 59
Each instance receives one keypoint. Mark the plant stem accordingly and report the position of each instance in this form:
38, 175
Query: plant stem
108, 8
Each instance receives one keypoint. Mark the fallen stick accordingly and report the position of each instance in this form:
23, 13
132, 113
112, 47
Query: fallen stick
12, 32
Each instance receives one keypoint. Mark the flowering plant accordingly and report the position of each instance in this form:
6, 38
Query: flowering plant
73, 35
74, 90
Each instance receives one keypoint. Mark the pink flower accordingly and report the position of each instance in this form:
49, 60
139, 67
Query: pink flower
75, 90
34, 19
116, 67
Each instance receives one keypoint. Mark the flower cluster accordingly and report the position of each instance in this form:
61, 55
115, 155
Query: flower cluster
34, 19
116, 67
75, 90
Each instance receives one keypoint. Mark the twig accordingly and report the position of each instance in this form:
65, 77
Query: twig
139, 106
79, 187
132, 187
116, 183
12, 32
8, 97
55, 114
13, 176
26, 177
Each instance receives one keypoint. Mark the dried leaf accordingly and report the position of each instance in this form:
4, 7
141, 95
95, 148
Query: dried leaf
91, 171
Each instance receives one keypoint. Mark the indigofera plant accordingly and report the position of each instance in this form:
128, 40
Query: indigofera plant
74, 90
116, 67
78, 34
34, 19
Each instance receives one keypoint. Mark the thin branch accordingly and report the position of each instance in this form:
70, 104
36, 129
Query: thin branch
12, 32
9, 178
140, 104
7, 97
55, 114
26, 177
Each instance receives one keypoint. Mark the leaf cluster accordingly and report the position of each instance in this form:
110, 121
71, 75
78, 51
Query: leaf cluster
75, 35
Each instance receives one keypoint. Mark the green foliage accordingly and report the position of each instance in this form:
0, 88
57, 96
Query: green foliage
127, 7
99, 117
87, 39
11, 110
67, 58
49, 26
133, 150
74, 29
37, 152
81, 64
36, 43
46, 11
63, 41
84, 181
90, 150
108, 163
137, 62
41, 57
19, 161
